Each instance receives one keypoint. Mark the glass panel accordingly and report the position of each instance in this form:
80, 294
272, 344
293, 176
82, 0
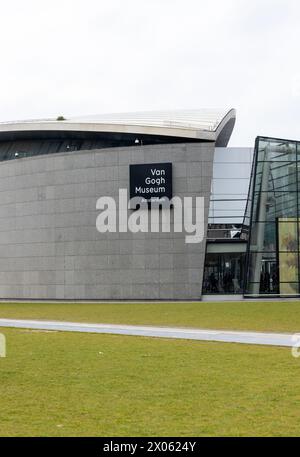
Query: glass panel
275, 150
231, 170
263, 237
264, 287
271, 205
223, 273
262, 273
288, 267
279, 176
273, 255
287, 235
227, 208
282, 176
233, 155
289, 288
230, 186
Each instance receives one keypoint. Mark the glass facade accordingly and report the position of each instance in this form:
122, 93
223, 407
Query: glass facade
230, 184
273, 248
224, 269
223, 273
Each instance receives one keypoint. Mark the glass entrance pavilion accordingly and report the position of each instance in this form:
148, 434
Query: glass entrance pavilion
273, 246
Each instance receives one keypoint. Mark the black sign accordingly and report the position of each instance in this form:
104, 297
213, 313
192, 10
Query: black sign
152, 182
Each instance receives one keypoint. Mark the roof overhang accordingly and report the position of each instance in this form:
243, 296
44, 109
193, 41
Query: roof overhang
205, 125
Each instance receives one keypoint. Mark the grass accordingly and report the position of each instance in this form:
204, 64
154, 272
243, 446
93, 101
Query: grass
69, 384
261, 316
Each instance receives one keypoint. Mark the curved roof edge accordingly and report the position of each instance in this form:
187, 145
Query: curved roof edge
206, 125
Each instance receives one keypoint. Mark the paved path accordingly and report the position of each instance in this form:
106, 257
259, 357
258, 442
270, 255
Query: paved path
269, 339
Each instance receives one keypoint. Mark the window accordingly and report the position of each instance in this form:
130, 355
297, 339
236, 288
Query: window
223, 273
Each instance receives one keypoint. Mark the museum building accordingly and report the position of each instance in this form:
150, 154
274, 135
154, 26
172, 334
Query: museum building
53, 172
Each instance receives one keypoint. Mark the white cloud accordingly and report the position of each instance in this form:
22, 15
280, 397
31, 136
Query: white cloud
78, 57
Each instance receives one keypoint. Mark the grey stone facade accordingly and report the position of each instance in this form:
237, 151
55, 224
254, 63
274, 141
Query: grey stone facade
49, 245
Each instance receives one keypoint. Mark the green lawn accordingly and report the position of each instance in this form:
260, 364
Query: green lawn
261, 316
69, 384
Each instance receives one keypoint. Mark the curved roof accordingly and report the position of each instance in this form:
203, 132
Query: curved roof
203, 124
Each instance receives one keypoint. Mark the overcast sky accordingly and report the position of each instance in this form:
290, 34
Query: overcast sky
79, 57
